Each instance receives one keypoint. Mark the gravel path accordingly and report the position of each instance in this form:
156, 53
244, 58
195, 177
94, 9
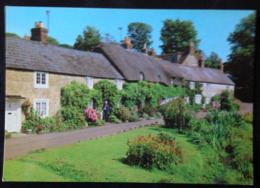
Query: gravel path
21, 145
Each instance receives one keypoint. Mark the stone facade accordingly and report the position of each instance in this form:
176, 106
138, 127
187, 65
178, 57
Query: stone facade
22, 83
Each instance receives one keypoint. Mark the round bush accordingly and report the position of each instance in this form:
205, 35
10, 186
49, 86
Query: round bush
123, 113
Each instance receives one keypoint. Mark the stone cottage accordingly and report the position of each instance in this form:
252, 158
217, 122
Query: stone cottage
37, 71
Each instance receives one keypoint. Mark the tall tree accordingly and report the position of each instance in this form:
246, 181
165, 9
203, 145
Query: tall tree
89, 40
241, 60
140, 33
108, 38
212, 61
176, 35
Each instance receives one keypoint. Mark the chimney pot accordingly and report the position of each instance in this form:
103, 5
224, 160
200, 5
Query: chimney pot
127, 44
153, 53
39, 33
144, 49
191, 48
26, 37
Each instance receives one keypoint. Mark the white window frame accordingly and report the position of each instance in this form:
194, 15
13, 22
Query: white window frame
41, 101
89, 82
192, 85
208, 85
40, 85
91, 103
119, 84
141, 76
172, 80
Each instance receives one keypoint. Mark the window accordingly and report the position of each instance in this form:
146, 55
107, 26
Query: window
91, 104
40, 80
227, 88
141, 76
89, 82
172, 80
119, 84
192, 85
42, 107
207, 86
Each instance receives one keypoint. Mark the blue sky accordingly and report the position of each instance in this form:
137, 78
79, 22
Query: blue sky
213, 26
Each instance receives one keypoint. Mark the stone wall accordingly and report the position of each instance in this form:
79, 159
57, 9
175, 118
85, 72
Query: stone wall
22, 83
214, 89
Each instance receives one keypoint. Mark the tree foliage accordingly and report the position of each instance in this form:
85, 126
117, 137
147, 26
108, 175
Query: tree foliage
12, 35
52, 41
89, 40
176, 36
66, 46
140, 33
108, 38
212, 61
241, 60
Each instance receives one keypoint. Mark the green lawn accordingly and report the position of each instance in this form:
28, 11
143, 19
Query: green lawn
99, 160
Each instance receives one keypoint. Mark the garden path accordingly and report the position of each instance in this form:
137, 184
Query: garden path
21, 145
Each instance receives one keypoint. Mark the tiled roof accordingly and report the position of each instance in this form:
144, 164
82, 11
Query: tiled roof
31, 55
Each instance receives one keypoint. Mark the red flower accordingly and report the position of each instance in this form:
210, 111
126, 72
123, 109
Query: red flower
58, 120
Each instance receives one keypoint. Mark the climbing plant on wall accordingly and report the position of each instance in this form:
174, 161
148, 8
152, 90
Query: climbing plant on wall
108, 92
135, 93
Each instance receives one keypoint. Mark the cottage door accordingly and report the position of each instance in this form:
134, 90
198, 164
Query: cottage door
11, 115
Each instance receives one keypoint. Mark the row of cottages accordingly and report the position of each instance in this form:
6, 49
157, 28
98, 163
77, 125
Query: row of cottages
190, 68
37, 71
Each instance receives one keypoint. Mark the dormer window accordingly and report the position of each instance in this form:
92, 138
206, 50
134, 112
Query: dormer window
141, 76
41, 80
171, 80
159, 78
89, 82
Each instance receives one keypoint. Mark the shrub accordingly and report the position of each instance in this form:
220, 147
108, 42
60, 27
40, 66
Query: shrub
33, 122
165, 137
134, 117
227, 103
158, 114
248, 117
91, 115
99, 122
123, 113
149, 109
75, 95
114, 119
145, 116
175, 114
72, 117
148, 152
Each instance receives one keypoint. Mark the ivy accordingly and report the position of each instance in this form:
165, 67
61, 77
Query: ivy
192, 92
109, 92
151, 93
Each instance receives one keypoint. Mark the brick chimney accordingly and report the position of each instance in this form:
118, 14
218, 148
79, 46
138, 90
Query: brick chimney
191, 48
39, 33
144, 49
221, 66
201, 60
153, 53
127, 44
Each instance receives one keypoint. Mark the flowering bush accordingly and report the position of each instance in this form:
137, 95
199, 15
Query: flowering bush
91, 115
26, 105
149, 152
